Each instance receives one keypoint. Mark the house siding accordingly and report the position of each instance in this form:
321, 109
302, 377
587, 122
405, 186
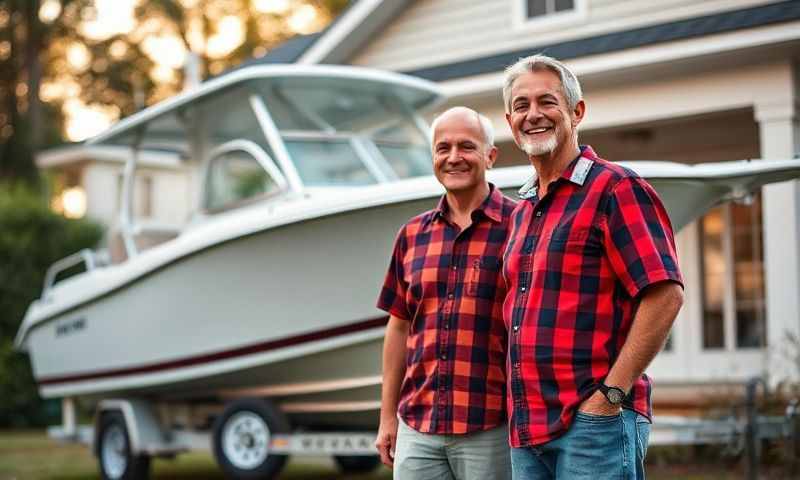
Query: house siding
433, 32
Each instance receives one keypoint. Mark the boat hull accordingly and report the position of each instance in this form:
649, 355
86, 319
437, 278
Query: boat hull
286, 306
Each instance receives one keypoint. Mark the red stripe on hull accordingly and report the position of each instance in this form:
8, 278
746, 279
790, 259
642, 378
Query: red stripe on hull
222, 355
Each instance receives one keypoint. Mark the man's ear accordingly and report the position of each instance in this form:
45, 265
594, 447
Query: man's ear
578, 112
508, 119
491, 156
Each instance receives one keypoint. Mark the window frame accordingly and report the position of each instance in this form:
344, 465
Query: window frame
548, 21
729, 311
263, 159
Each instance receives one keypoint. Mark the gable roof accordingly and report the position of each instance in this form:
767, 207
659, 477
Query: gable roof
723, 22
357, 24
365, 18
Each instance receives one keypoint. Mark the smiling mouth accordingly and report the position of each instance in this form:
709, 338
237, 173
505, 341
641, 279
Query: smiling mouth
534, 131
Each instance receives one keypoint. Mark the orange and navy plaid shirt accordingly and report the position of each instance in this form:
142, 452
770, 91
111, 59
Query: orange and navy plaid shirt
576, 262
448, 284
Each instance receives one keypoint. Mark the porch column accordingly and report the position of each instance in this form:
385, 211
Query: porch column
780, 140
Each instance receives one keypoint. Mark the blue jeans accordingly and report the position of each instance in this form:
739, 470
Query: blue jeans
594, 448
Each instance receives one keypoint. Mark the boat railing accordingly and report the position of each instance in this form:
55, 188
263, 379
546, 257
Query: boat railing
90, 258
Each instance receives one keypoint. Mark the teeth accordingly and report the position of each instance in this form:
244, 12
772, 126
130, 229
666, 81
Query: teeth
537, 130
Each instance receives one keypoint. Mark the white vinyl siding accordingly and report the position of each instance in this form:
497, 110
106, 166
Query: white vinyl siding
435, 32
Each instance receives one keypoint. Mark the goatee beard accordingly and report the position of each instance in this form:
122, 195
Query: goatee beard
538, 148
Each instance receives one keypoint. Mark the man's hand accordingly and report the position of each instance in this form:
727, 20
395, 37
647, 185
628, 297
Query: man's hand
597, 404
387, 438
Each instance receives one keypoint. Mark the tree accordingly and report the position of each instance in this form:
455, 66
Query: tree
32, 237
50, 52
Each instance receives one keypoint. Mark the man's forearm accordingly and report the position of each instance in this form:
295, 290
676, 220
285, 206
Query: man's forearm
394, 365
657, 311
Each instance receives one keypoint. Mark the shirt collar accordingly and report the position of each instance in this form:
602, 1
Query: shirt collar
491, 207
576, 172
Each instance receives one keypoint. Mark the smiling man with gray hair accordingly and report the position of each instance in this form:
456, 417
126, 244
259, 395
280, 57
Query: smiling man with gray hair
443, 412
593, 289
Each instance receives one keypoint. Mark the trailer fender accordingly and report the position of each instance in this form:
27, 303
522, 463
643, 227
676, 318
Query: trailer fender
144, 430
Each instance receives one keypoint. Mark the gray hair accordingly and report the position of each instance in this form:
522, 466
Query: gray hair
570, 86
486, 125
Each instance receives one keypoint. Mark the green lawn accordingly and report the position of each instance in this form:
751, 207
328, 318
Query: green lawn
30, 455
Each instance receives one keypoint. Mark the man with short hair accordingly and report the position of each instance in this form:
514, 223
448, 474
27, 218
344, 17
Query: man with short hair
445, 347
593, 289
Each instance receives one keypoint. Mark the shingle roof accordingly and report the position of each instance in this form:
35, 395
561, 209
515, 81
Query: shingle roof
694, 27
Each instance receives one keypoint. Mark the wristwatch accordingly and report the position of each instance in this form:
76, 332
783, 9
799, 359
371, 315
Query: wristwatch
614, 395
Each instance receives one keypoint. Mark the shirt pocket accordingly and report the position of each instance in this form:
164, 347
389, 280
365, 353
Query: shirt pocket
574, 250
482, 277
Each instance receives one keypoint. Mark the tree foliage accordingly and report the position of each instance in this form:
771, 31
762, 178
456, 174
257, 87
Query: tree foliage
32, 237
51, 62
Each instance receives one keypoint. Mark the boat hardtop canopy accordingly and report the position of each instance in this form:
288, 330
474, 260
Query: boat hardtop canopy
418, 93
278, 130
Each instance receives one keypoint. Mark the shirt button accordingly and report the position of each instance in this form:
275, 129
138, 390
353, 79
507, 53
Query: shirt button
444, 356
522, 289
539, 213
455, 268
450, 295
516, 328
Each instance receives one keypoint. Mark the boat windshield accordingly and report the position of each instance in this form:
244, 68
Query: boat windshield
340, 133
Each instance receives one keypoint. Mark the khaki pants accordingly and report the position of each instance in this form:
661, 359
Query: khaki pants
475, 456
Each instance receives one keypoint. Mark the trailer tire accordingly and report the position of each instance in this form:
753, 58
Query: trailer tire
114, 455
241, 437
357, 463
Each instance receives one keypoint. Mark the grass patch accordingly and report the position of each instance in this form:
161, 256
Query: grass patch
30, 455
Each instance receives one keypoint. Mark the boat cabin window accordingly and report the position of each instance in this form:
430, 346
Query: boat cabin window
341, 131
328, 162
234, 177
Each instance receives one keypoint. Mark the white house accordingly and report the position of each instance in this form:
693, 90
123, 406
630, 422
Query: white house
88, 181
676, 80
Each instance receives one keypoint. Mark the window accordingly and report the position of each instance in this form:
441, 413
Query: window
234, 177
734, 313
542, 14
540, 8
323, 163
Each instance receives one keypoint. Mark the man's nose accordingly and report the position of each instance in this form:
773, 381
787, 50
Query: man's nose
454, 155
533, 115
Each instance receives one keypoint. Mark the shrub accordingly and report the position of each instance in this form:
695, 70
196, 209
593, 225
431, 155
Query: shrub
32, 237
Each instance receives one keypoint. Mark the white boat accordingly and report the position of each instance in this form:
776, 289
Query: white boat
305, 175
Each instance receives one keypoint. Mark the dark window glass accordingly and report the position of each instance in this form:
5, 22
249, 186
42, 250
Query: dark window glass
562, 5
748, 255
713, 255
537, 8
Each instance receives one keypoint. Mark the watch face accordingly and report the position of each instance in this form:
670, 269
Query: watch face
615, 396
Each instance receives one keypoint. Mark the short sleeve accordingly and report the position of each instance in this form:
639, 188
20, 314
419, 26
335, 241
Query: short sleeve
638, 237
392, 298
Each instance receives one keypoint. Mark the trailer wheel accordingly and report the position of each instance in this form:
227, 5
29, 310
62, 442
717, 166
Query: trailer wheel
114, 455
241, 439
357, 463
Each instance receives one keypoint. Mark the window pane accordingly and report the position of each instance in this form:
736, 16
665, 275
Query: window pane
537, 8
562, 5
749, 272
328, 163
407, 160
713, 262
236, 176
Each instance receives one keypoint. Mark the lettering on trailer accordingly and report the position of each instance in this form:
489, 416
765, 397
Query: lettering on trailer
328, 442
68, 327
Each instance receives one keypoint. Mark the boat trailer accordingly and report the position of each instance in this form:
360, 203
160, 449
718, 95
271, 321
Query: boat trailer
354, 451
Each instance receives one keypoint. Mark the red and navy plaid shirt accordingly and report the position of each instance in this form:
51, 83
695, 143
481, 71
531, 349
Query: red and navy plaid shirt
576, 262
448, 284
